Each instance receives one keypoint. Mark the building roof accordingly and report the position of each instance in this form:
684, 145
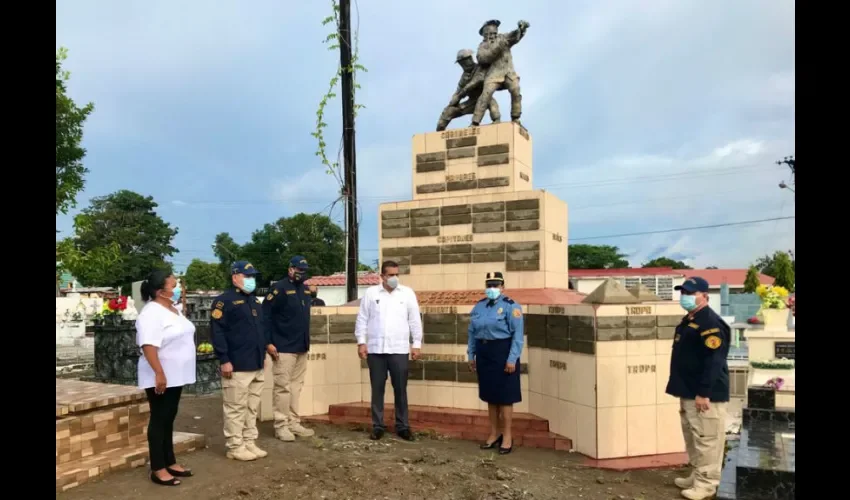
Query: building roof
625, 272
338, 279
524, 296
733, 277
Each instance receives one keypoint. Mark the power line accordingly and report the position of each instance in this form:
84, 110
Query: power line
712, 226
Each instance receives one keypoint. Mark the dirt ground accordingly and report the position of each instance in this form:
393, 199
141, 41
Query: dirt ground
340, 463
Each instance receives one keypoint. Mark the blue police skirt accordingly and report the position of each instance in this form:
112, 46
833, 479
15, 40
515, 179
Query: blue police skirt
494, 385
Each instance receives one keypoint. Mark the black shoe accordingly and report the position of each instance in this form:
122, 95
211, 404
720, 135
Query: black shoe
171, 482
494, 444
505, 451
406, 435
179, 473
376, 434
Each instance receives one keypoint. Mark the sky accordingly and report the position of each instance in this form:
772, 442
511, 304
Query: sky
646, 116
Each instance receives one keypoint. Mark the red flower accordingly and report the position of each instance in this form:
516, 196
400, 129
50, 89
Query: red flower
118, 304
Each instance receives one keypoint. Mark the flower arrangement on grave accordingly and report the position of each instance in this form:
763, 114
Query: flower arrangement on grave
772, 297
113, 308
792, 304
775, 383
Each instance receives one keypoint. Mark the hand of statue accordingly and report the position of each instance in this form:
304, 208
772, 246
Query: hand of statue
523, 25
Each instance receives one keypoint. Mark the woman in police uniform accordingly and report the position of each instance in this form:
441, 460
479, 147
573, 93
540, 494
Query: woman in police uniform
494, 347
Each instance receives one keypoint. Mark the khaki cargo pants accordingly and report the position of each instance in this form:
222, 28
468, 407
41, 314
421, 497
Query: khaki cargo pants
705, 441
289, 372
241, 394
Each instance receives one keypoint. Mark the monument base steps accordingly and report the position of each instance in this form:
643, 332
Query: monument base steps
471, 425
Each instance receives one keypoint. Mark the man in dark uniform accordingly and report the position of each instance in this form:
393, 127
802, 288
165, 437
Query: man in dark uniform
314, 293
699, 377
286, 310
240, 344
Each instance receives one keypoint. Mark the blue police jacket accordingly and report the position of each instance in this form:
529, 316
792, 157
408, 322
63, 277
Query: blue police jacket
495, 320
286, 312
698, 364
237, 330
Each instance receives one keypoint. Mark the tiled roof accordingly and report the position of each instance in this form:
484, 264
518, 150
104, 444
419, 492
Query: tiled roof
628, 271
364, 279
734, 277
524, 296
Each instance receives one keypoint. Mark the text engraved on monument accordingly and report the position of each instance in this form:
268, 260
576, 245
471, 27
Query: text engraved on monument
638, 310
557, 310
557, 237
442, 357
317, 356
463, 132
785, 350
634, 369
454, 239
559, 365
460, 177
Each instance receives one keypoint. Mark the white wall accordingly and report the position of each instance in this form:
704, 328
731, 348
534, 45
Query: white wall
588, 285
336, 295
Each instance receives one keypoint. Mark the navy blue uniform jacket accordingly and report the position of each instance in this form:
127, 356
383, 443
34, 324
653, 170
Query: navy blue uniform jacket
286, 313
236, 325
698, 364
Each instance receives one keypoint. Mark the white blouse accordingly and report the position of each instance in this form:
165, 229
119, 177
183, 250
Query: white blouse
174, 336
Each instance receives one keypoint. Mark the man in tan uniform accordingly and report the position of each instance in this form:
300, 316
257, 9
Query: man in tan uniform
494, 54
470, 85
237, 336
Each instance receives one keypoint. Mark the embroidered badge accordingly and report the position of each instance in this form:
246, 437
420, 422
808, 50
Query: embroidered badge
219, 305
238, 302
500, 311
713, 342
517, 313
216, 314
290, 292
693, 325
270, 296
709, 332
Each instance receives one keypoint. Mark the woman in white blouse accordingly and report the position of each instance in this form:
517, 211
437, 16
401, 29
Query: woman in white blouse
167, 340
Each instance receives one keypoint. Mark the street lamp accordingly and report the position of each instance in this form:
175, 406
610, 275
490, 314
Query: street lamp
782, 185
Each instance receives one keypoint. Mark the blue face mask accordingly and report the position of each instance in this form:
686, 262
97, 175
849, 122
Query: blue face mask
249, 285
688, 302
492, 293
176, 294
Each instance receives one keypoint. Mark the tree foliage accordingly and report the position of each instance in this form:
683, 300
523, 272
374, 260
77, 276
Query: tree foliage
125, 221
314, 236
70, 171
667, 262
202, 275
767, 264
751, 282
783, 266
596, 257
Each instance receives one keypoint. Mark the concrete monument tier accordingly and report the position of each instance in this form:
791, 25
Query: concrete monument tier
595, 372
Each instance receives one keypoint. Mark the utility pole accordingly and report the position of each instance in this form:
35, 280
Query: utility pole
348, 155
789, 160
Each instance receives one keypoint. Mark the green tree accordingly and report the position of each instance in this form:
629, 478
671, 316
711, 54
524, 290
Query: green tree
767, 264
70, 171
667, 262
125, 220
751, 282
596, 257
202, 275
363, 267
314, 236
783, 266
96, 263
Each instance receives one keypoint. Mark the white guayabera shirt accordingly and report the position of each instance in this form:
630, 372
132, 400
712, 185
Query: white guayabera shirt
389, 321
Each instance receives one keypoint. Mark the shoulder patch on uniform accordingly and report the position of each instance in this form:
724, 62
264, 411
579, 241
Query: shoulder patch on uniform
219, 305
257, 300
276, 291
290, 292
713, 342
270, 296
693, 325
217, 314
517, 312
238, 302
709, 332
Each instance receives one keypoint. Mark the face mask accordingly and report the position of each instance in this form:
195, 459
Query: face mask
392, 282
314, 294
493, 293
175, 295
249, 285
297, 277
688, 302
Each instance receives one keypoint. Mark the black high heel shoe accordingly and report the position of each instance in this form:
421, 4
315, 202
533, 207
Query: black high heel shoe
505, 451
171, 482
494, 444
180, 473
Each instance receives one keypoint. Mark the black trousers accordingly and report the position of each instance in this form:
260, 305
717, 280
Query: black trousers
161, 426
396, 365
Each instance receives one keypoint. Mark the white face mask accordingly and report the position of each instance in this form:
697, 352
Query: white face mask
392, 282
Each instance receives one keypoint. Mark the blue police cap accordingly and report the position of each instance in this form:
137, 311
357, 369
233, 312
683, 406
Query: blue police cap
693, 284
243, 267
299, 262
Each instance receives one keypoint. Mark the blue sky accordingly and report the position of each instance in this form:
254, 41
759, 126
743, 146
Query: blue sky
645, 115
